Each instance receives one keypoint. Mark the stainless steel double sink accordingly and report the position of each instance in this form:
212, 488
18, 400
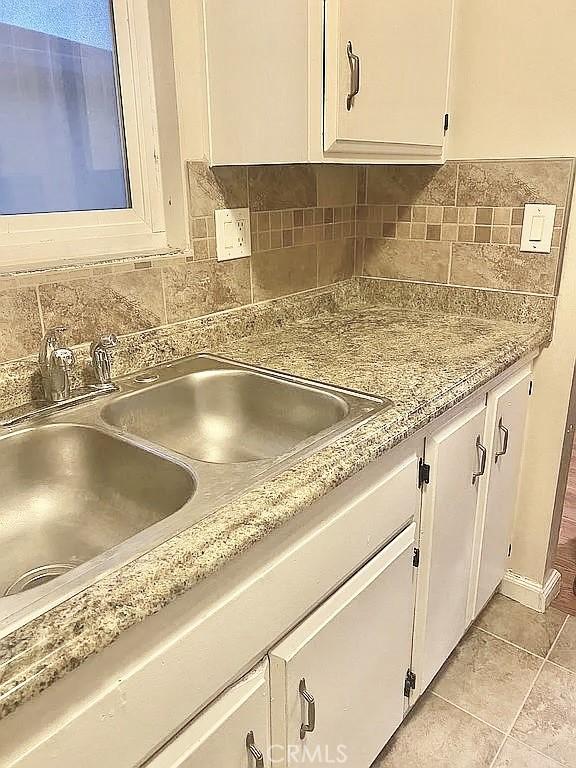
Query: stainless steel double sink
101, 483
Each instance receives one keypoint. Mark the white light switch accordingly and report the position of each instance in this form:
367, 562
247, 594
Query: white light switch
232, 233
538, 228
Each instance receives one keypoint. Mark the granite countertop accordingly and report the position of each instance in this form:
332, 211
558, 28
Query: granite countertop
423, 359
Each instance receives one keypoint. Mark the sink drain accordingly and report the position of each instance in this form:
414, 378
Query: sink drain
37, 576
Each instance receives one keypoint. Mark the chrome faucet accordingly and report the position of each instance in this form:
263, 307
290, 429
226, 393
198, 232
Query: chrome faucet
55, 360
101, 362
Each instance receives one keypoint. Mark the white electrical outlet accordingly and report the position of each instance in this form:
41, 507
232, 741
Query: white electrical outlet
233, 237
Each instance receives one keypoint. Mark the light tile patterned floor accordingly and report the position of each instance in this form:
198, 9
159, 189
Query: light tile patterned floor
506, 698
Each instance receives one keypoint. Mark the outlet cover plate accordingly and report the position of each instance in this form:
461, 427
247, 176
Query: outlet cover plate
233, 237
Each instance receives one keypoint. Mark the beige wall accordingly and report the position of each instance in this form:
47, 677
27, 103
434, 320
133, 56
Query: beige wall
514, 79
514, 95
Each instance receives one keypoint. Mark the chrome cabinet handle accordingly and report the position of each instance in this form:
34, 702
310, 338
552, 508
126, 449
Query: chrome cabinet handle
483, 456
253, 750
310, 725
506, 433
354, 62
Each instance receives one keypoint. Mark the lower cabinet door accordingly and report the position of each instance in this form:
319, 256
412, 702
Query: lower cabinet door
508, 406
338, 679
233, 732
458, 460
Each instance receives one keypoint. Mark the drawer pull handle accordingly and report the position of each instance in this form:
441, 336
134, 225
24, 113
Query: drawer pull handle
506, 433
253, 750
309, 726
483, 455
354, 62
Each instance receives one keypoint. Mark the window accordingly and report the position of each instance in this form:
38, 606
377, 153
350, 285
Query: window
80, 170
61, 132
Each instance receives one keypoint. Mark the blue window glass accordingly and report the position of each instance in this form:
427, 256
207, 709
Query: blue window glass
61, 133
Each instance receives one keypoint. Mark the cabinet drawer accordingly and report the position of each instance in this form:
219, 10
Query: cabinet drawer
217, 738
351, 656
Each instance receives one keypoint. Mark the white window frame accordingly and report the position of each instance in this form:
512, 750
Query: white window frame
32, 238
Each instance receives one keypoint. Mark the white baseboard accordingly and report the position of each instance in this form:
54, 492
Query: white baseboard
531, 593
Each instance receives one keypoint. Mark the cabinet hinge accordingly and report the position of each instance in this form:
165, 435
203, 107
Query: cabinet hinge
446, 122
409, 683
423, 473
416, 559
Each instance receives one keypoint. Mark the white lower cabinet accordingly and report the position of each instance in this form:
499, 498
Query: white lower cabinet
233, 732
468, 506
332, 691
507, 409
338, 679
456, 455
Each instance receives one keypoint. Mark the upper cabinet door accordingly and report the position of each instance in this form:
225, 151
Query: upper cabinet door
386, 77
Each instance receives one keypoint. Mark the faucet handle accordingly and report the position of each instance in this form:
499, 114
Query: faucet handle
101, 362
103, 345
64, 358
50, 342
57, 381
109, 340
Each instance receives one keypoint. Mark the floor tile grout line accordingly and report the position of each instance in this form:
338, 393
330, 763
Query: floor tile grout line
556, 639
519, 710
559, 666
529, 747
531, 688
479, 719
545, 659
514, 645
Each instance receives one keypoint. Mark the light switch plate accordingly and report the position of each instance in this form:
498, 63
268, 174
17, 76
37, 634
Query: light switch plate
538, 228
233, 237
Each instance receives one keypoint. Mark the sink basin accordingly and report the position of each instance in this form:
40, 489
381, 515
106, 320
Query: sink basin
98, 485
70, 492
227, 416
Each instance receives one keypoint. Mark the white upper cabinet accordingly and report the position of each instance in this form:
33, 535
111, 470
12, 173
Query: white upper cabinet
295, 81
257, 69
386, 76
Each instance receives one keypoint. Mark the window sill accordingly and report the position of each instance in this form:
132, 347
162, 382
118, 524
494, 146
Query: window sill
59, 263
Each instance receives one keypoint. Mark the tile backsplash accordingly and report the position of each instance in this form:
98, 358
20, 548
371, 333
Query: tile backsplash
312, 225
303, 220
461, 224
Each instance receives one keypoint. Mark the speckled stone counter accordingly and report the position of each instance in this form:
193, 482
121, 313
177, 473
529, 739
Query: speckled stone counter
425, 348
